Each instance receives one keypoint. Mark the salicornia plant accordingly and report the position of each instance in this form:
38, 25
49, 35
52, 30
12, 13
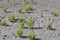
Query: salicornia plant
12, 17
3, 22
13, 1
21, 22
49, 26
19, 11
20, 32
54, 13
27, 8
0, 20
30, 23
31, 36
8, 0
5, 9
25, 1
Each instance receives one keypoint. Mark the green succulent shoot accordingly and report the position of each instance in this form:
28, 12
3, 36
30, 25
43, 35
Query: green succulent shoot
20, 32
25, 1
45, 9
49, 26
8, 0
32, 1
5, 9
3, 22
54, 13
12, 17
30, 23
0, 20
19, 11
21, 22
31, 36
13, 1
27, 8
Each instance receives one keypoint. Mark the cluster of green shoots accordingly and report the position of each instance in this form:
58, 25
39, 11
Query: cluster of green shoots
19, 11
31, 36
20, 33
8, 0
54, 13
29, 23
13, 1
49, 26
2, 22
26, 1
12, 17
21, 22
27, 8
5, 9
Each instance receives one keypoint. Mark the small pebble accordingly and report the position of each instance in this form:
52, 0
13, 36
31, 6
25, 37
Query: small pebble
3, 38
49, 18
5, 35
15, 36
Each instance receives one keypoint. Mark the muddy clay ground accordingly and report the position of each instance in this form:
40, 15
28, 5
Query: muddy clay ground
41, 20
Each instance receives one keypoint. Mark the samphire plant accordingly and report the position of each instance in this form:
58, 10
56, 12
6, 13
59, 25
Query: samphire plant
5, 9
3, 22
44, 9
13, 1
20, 32
49, 26
27, 8
25, 1
30, 23
19, 11
12, 17
31, 36
21, 22
54, 13
0, 20
32, 1
8, 0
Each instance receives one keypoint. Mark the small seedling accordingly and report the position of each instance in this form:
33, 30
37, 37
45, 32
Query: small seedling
32, 1
30, 23
45, 9
8, 0
3, 22
21, 22
13, 1
20, 32
25, 1
54, 13
0, 20
5, 9
11, 18
31, 36
19, 11
27, 8
49, 26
